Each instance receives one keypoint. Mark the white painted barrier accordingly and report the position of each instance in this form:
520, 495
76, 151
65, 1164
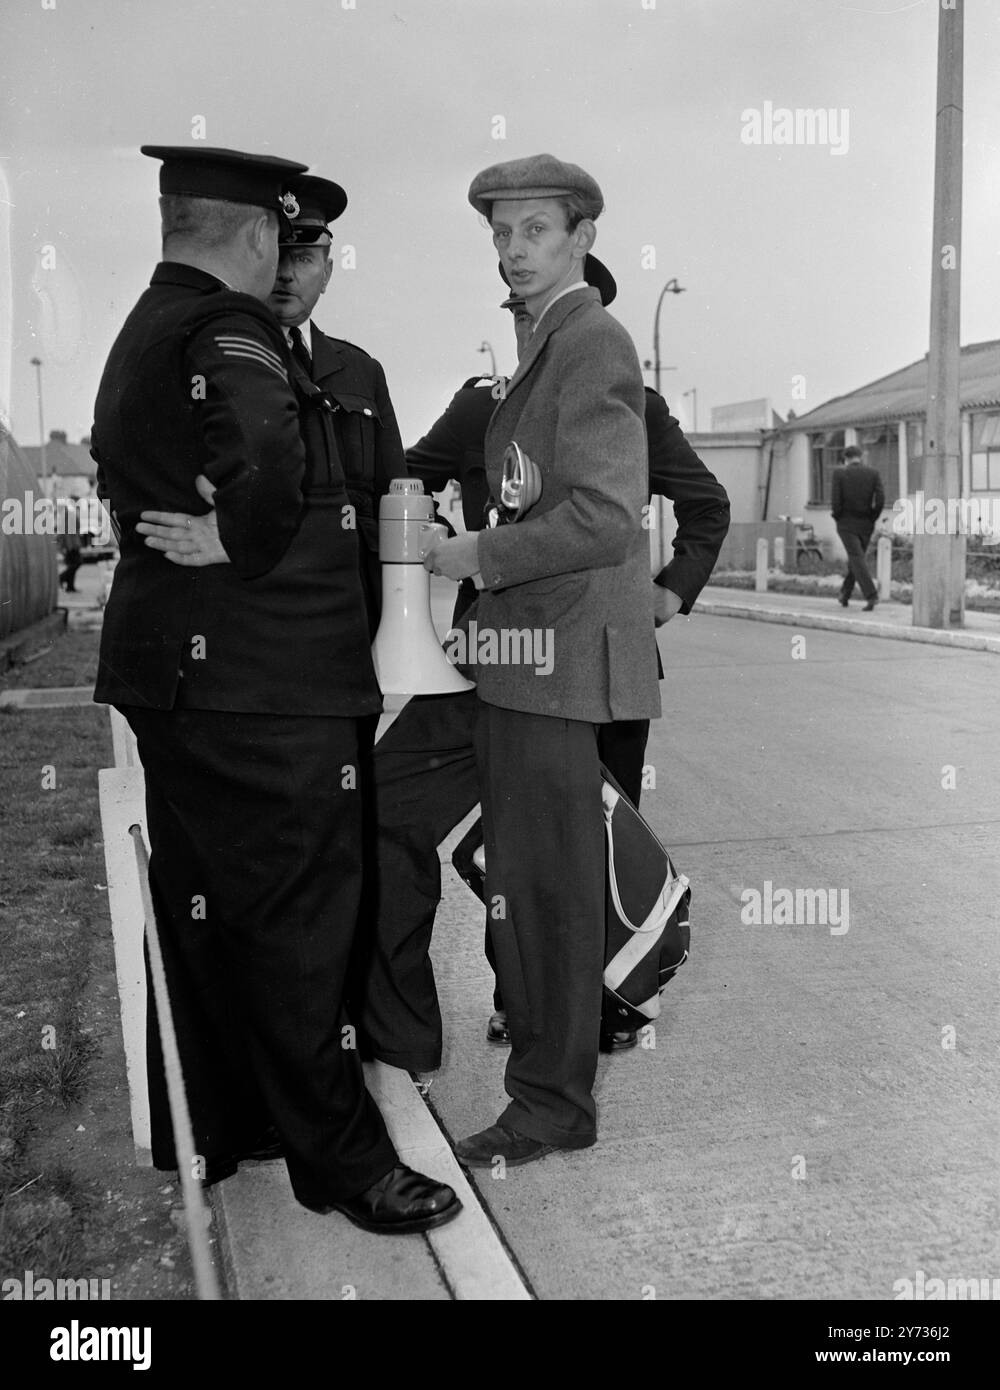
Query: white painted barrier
122, 791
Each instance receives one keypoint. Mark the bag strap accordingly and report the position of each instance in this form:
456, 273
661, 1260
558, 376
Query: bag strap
658, 917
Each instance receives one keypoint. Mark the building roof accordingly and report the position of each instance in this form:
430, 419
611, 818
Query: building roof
68, 460
903, 394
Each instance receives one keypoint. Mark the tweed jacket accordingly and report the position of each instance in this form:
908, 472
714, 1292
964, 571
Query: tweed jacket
577, 566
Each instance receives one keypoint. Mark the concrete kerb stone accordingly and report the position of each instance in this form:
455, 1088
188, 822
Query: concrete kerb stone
973, 641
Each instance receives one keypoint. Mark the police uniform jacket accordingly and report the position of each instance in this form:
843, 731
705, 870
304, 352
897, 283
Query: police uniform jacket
197, 382
578, 563
367, 438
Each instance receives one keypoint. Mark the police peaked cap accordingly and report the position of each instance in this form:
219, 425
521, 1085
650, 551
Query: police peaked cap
311, 204
228, 175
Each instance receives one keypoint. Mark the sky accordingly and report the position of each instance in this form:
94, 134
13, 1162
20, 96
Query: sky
805, 267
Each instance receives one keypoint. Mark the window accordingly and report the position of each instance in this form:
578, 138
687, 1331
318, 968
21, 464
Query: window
881, 446
985, 453
827, 453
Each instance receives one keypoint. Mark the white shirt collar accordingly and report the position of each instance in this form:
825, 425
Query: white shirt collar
577, 285
306, 330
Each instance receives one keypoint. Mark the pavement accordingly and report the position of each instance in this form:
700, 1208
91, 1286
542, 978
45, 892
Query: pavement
889, 619
813, 1115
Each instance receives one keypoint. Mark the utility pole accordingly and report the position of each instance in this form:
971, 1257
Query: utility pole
36, 362
939, 561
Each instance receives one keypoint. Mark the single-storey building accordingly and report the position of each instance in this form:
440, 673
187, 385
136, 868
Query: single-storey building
784, 470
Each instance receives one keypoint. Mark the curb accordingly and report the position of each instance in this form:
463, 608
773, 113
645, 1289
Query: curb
972, 641
16, 648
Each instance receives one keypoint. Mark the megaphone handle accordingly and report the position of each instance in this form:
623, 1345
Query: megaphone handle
431, 531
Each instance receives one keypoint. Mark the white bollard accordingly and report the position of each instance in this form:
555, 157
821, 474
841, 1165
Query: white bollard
883, 567
760, 579
779, 552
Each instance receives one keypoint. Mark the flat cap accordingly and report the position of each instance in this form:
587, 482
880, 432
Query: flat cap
229, 175
538, 176
595, 273
318, 202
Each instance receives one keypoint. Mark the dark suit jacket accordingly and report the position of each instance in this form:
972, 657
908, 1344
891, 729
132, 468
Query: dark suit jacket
857, 497
578, 564
371, 451
454, 447
197, 382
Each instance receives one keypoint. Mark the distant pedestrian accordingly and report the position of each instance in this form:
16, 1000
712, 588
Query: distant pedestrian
857, 500
71, 547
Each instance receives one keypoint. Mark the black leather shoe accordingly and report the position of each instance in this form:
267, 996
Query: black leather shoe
620, 1041
842, 601
497, 1030
400, 1203
267, 1148
483, 1149
871, 603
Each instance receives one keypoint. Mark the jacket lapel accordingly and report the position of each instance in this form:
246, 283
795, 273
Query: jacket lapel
326, 355
556, 316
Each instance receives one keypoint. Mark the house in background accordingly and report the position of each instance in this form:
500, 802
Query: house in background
69, 469
774, 469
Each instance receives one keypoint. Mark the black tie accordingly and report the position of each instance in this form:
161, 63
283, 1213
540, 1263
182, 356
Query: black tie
299, 351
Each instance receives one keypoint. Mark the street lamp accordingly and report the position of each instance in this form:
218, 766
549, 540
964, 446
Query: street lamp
674, 288
36, 362
694, 392
485, 347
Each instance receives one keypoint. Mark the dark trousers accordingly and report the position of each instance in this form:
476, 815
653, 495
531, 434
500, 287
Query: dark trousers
543, 827
67, 576
622, 749
424, 783
857, 568
255, 831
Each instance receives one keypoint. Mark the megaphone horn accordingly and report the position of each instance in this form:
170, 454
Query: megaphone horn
408, 656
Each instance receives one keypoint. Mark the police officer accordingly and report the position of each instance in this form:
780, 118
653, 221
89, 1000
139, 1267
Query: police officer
348, 384
243, 682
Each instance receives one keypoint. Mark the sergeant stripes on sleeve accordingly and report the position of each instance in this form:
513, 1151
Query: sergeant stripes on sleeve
250, 350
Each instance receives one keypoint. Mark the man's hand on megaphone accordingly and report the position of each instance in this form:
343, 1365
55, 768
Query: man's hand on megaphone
185, 539
455, 558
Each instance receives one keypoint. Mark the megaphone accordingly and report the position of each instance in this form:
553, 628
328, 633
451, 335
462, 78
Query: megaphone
408, 657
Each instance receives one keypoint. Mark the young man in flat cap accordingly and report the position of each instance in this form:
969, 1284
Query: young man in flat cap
244, 681
347, 386
576, 566
425, 774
